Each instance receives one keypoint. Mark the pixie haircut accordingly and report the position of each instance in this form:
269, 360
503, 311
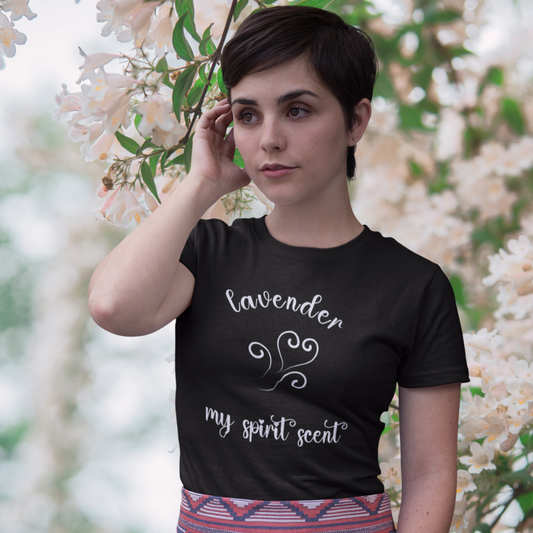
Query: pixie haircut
341, 56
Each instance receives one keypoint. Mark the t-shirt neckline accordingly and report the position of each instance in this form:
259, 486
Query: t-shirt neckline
307, 253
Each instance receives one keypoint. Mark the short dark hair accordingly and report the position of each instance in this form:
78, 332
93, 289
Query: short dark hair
342, 56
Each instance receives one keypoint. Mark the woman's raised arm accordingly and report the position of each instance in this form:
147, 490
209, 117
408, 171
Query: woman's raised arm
141, 285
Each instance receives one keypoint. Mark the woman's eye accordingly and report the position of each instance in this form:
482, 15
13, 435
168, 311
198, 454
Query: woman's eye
246, 117
297, 112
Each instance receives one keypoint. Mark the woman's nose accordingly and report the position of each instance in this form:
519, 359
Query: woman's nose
272, 136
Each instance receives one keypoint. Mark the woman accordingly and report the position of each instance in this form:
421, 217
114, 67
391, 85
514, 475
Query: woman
293, 329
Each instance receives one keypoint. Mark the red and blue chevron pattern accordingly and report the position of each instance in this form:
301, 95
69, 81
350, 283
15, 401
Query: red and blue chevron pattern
201, 513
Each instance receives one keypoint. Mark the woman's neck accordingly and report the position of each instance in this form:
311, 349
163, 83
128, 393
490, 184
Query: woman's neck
322, 226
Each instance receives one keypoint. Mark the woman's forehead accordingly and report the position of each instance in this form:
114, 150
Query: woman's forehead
294, 76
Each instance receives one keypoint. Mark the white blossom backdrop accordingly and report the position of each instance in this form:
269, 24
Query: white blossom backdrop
446, 168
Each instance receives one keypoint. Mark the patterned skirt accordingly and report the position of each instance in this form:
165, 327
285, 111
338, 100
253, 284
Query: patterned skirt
201, 513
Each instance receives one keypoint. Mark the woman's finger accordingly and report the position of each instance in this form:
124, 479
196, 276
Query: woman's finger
223, 122
230, 139
208, 119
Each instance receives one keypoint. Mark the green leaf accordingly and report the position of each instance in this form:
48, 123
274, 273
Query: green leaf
321, 4
162, 65
211, 47
202, 74
495, 76
146, 144
182, 85
411, 117
11, 437
206, 37
166, 81
440, 17
137, 121
185, 9
483, 528
154, 159
220, 81
423, 76
241, 4
513, 115
526, 502
456, 51
458, 289
164, 158
130, 144
384, 86
195, 93
527, 439
180, 160
237, 159
187, 153
148, 178
181, 46
415, 168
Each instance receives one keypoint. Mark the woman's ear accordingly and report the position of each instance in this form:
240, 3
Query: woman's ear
362, 114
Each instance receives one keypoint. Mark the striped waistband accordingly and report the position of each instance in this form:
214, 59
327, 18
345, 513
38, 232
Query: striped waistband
201, 513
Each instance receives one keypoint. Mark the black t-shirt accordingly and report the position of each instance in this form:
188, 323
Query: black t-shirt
288, 356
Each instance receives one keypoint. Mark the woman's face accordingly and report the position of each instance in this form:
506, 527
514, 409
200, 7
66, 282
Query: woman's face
292, 134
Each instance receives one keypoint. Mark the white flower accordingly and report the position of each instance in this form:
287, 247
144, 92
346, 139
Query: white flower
462, 517
9, 37
159, 122
150, 201
93, 62
450, 134
480, 459
465, 483
160, 34
523, 371
104, 147
128, 19
155, 113
479, 345
19, 9
67, 102
391, 474
521, 391
478, 186
122, 209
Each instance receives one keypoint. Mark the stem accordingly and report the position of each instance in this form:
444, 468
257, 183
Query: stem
216, 57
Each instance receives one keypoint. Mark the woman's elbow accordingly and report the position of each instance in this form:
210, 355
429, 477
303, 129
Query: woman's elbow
115, 318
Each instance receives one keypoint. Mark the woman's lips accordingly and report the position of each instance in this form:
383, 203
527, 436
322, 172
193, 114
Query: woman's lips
276, 171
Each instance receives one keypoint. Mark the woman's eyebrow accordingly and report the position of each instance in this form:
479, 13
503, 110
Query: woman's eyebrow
295, 94
244, 101
281, 100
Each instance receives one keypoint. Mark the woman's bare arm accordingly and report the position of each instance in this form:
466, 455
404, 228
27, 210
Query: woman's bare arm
428, 438
141, 286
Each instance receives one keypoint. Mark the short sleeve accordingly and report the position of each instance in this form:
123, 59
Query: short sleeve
188, 255
437, 355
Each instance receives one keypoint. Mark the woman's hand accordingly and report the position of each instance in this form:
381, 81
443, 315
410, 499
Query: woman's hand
213, 151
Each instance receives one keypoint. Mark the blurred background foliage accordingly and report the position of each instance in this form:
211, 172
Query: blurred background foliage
83, 434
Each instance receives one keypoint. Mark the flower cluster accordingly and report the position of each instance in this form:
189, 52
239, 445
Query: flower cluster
426, 223
446, 168
9, 36
480, 183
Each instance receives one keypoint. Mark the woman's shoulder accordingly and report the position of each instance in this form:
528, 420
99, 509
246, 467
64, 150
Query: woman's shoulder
215, 231
401, 260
